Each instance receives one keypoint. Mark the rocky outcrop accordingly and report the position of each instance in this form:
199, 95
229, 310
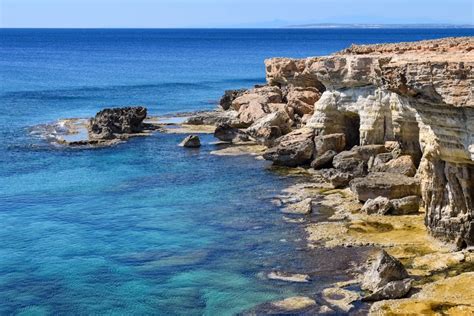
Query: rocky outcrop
388, 185
386, 278
268, 128
109, 123
192, 141
418, 95
293, 149
229, 96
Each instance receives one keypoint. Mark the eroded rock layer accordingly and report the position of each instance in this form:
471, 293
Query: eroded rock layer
418, 94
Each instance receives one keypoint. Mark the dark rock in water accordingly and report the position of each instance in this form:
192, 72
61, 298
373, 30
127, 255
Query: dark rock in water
192, 141
109, 122
227, 133
297, 305
389, 185
406, 205
293, 149
324, 160
382, 271
229, 96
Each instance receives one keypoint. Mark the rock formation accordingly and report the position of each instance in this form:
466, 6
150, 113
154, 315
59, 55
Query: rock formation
419, 95
109, 123
191, 141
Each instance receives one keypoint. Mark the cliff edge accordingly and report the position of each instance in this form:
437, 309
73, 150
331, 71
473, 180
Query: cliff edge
418, 94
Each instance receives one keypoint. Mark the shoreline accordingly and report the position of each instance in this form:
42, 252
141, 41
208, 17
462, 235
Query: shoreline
379, 152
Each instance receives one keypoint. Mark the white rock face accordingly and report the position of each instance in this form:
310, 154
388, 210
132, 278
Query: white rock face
419, 94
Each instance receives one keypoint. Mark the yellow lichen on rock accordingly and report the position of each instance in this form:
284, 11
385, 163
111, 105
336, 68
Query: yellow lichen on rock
451, 296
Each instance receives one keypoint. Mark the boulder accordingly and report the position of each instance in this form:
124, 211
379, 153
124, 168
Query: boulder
109, 122
229, 96
383, 270
380, 160
302, 99
214, 118
192, 141
337, 178
335, 142
262, 95
405, 206
357, 159
389, 185
303, 207
293, 149
401, 165
274, 107
380, 205
227, 133
324, 160
390, 291
262, 130
251, 112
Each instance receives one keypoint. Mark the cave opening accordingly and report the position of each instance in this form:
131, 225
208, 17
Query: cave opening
410, 140
352, 129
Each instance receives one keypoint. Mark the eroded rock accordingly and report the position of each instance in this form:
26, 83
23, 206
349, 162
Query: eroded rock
388, 185
380, 205
192, 141
293, 149
386, 276
109, 123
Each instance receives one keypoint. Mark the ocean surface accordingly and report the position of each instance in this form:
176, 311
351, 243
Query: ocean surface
145, 227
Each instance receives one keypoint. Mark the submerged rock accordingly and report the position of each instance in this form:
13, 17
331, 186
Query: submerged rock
289, 277
192, 141
294, 304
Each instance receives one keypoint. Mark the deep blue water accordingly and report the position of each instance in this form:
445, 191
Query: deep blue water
145, 227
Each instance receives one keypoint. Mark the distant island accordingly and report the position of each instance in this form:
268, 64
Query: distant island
381, 26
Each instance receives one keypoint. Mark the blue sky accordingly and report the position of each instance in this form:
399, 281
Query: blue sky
228, 13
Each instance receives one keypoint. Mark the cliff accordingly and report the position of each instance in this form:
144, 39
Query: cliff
420, 95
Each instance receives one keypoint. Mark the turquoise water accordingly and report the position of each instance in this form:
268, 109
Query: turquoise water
146, 227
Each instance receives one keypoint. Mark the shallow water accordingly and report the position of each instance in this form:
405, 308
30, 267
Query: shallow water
146, 227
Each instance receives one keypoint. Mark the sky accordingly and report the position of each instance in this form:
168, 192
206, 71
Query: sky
228, 13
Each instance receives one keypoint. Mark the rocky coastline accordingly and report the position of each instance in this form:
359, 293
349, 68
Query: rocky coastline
382, 138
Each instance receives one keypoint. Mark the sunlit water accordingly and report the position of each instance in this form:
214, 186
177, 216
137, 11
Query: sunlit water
145, 227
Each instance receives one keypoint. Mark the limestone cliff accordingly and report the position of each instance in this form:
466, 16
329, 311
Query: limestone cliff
419, 94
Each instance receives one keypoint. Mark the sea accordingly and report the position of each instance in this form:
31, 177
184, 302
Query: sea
147, 227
